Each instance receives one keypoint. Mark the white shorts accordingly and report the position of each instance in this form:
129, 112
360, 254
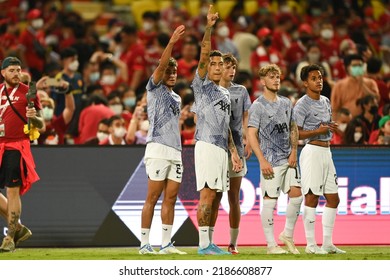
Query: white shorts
318, 171
284, 178
242, 173
161, 169
211, 167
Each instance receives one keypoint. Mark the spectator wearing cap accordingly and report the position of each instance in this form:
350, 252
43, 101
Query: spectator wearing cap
265, 54
297, 51
56, 126
382, 135
17, 170
32, 41
133, 54
347, 91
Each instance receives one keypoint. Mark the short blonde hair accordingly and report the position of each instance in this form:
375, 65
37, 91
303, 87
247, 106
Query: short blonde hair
270, 68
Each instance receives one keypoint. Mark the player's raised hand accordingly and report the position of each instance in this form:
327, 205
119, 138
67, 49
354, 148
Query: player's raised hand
178, 33
211, 17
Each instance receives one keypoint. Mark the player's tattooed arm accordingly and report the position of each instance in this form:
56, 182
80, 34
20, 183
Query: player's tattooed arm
294, 135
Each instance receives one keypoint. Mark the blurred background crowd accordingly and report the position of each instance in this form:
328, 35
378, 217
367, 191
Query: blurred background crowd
107, 50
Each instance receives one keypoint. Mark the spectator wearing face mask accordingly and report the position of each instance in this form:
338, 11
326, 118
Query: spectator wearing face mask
148, 32
101, 135
369, 116
347, 91
115, 104
32, 42
221, 40
354, 133
70, 74
314, 56
117, 132
328, 44
56, 126
111, 71
343, 117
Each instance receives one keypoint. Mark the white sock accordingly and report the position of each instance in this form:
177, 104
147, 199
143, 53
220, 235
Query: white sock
292, 213
204, 238
267, 221
328, 219
234, 235
309, 219
211, 234
145, 236
166, 235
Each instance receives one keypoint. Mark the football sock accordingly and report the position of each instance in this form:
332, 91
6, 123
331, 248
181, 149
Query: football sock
328, 219
267, 221
145, 236
204, 239
309, 221
292, 213
166, 235
211, 234
234, 235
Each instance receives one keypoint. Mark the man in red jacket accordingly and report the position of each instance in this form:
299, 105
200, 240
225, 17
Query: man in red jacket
17, 167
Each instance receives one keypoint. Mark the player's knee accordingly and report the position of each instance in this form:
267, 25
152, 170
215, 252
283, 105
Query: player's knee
296, 200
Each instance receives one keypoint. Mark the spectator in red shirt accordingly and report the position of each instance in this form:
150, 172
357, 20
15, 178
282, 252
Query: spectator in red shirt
149, 29
56, 126
189, 59
32, 42
9, 40
133, 54
327, 43
153, 53
297, 51
90, 116
343, 117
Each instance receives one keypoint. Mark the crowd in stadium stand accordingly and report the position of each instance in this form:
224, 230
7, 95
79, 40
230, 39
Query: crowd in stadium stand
107, 68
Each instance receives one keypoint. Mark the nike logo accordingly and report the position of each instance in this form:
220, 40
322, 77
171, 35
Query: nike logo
165, 229
178, 177
316, 115
143, 233
311, 222
15, 180
204, 230
270, 116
